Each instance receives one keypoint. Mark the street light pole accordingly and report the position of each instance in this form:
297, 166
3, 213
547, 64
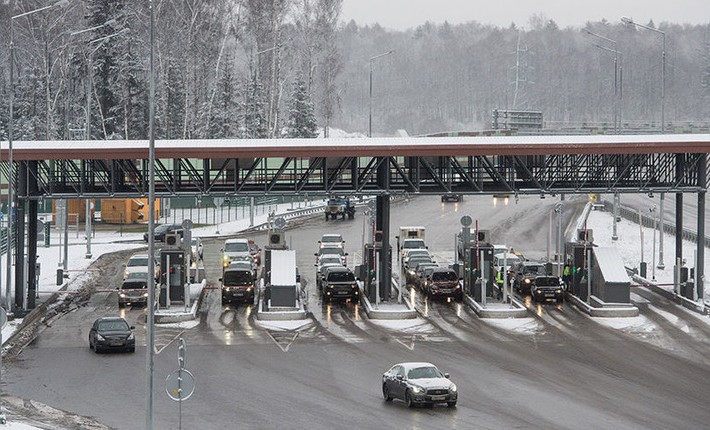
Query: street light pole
150, 326
10, 128
617, 80
630, 21
369, 128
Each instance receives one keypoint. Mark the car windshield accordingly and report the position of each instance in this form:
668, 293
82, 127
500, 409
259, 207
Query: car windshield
444, 276
137, 276
341, 277
547, 282
338, 251
236, 247
413, 243
137, 261
237, 277
534, 270
424, 372
117, 325
331, 239
133, 284
417, 252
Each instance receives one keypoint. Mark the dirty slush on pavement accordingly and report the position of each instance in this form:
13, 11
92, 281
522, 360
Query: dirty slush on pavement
58, 304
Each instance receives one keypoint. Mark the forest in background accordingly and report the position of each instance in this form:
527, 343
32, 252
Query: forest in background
278, 68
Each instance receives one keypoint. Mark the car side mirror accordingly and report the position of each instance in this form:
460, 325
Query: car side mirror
399, 377
316, 254
133, 327
346, 253
220, 279
446, 375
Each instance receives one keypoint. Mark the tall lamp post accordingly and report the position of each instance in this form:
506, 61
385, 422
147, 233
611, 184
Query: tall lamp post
630, 21
369, 128
10, 128
150, 325
618, 73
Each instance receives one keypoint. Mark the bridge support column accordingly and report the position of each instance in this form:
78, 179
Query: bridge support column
19, 236
32, 213
700, 246
382, 223
680, 167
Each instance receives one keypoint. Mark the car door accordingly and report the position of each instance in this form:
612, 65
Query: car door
398, 383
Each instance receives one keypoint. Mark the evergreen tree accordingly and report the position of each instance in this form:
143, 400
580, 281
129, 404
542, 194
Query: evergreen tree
107, 70
135, 96
301, 119
255, 126
174, 111
224, 122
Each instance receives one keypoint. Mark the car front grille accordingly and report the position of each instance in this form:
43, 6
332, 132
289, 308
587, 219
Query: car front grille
437, 392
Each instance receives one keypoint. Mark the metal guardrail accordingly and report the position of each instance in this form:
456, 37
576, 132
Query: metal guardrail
632, 215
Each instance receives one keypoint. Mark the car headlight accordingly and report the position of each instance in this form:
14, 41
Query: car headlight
99, 337
527, 281
121, 295
453, 388
417, 389
558, 291
131, 336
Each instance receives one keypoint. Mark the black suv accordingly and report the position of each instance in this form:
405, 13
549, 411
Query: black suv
547, 288
523, 275
161, 230
338, 282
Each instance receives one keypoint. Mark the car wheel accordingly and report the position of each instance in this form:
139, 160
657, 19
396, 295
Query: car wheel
386, 393
408, 399
132, 350
451, 404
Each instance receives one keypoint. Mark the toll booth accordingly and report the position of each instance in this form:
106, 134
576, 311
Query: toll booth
368, 262
479, 265
173, 275
575, 255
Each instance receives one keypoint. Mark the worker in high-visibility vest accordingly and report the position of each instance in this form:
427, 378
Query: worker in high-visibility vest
500, 281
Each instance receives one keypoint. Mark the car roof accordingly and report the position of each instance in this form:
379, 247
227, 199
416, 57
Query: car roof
332, 235
335, 268
110, 319
414, 364
237, 241
443, 269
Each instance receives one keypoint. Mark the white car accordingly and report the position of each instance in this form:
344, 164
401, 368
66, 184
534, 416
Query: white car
236, 250
139, 263
331, 239
408, 244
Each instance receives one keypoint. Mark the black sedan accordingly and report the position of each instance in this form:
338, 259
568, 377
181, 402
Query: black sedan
159, 232
112, 334
418, 384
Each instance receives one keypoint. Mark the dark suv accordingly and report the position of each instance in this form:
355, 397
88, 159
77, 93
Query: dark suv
547, 288
338, 282
523, 275
159, 232
443, 282
238, 284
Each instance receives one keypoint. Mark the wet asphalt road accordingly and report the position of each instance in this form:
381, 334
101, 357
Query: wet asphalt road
559, 369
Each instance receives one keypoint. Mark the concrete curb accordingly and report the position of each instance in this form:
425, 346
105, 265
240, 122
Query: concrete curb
175, 317
517, 310
691, 305
280, 315
407, 312
615, 310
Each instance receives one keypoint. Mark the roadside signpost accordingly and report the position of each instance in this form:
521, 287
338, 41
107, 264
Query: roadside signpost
180, 384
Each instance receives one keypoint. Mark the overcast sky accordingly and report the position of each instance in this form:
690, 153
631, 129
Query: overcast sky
403, 14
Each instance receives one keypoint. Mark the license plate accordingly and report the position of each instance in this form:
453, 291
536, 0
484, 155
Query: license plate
438, 397
447, 291
116, 343
239, 293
